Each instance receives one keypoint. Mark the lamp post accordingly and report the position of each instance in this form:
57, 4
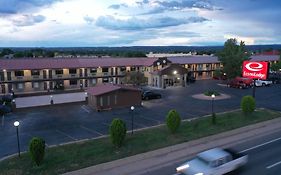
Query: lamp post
86, 97
132, 109
16, 124
51, 100
213, 98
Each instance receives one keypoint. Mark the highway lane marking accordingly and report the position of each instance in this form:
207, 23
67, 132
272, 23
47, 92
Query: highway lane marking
84, 107
273, 165
63, 133
91, 130
260, 145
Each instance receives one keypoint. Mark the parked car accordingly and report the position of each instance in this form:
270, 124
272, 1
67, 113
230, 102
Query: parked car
213, 161
275, 77
146, 95
259, 83
240, 82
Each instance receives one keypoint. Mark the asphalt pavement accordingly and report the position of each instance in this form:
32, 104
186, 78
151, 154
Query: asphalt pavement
264, 157
64, 123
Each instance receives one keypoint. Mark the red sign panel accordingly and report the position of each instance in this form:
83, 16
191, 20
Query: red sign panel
255, 69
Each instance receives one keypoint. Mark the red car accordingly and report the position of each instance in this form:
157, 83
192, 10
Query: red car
240, 82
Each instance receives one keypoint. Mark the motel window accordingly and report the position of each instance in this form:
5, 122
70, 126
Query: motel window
94, 81
20, 86
122, 69
59, 71
35, 72
200, 74
105, 69
72, 82
105, 80
93, 70
72, 71
133, 68
35, 85
19, 73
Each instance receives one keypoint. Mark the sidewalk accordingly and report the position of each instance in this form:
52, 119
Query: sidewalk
43, 100
142, 163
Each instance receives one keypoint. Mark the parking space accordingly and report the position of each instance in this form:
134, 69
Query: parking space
59, 124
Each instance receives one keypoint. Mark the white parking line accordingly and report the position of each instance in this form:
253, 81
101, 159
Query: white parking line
65, 134
260, 145
273, 165
91, 130
85, 109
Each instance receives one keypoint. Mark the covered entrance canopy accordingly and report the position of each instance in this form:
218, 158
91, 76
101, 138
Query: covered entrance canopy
171, 75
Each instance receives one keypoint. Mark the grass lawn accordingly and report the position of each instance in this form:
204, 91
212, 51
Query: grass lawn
75, 156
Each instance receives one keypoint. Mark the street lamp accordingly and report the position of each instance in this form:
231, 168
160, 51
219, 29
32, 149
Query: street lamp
51, 100
132, 109
213, 98
86, 97
16, 124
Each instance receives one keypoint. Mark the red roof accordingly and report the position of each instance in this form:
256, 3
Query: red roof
273, 52
100, 89
59, 63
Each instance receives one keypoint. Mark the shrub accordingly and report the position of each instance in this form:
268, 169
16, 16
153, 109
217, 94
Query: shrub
173, 121
37, 150
248, 104
117, 132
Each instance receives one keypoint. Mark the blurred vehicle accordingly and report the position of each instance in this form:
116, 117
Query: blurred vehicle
260, 83
147, 95
215, 161
240, 82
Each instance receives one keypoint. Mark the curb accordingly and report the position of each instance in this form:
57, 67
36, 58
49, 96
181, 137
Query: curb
185, 150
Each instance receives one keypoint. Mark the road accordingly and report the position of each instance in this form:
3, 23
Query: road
264, 157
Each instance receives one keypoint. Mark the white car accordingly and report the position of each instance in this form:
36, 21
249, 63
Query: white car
259, 83
216, 161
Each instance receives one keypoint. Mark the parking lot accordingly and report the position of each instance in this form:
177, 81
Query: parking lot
64, 123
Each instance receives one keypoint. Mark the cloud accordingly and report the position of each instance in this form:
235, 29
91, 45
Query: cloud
88, 19
28, 20
109, 22
8, 7
117, 6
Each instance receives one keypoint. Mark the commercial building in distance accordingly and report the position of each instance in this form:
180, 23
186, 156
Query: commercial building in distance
30, 75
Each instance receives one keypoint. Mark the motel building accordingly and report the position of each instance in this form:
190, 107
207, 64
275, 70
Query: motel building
30, 75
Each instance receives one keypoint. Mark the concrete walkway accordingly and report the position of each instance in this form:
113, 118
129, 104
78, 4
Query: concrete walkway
24, 102
142, 163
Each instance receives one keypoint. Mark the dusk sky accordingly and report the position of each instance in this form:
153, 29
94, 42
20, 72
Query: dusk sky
78, 23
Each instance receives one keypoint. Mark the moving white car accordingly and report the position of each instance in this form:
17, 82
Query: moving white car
215, 161
259, 83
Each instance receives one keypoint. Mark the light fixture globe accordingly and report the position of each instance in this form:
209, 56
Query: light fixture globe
213, 96
132, 108
16, 123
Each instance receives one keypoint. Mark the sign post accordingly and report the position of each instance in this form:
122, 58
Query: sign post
255, 70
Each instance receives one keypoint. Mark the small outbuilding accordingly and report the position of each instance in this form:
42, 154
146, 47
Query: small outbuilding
109, 96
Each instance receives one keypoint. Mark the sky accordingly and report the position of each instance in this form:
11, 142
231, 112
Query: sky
94, 23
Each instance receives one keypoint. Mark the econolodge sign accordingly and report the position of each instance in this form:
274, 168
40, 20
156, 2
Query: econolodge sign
255, 69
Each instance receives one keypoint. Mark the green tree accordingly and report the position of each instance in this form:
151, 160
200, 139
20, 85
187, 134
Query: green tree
173, 121
6, 51
276, 66
248, 104
232, 57
136, 78
117, 132
37, 150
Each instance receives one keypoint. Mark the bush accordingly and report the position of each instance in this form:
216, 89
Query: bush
173, 121
248, 104
210, 93
117, 132
37, 150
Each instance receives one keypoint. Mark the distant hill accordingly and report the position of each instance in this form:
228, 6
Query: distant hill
155, 49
